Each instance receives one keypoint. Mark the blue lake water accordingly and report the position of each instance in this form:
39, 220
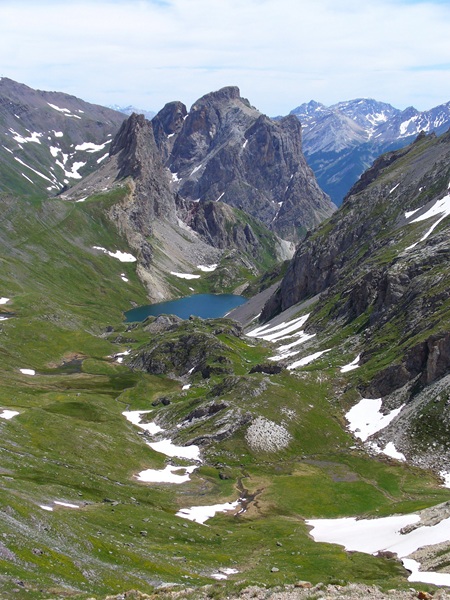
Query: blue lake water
206, 306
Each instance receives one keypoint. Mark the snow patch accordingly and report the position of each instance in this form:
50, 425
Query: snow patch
365, 418
8, 414
31, 169
122, 256
206, 268
27, 371
65, 504
375, 535
351, 366
185, 275
91, 147
196, 169
167, 475
393, 189
200, 514
4, 300
441, 207
102, 158
306, 360
169, 449
134, 416
276, 332
223, 574
34, 137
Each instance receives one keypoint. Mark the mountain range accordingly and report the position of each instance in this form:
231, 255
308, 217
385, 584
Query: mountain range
342, 141
198, 458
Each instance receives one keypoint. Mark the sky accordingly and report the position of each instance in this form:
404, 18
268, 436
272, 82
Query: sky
281, 53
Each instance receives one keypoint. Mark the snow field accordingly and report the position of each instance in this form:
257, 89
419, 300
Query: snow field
375, 535
441, 207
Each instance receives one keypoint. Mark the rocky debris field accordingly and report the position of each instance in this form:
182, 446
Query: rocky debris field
302, 590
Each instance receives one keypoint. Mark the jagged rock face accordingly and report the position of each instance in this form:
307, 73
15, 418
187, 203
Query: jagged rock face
139, 158
226, 150
364, 265
166, 124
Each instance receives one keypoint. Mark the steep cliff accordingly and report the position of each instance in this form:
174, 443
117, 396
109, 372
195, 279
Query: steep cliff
227, 150
379, 269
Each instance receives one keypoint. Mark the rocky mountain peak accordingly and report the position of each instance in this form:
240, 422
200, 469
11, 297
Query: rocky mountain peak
225, 94
227, 150
167, 124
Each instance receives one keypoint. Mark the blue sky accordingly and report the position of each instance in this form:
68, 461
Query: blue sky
280, 53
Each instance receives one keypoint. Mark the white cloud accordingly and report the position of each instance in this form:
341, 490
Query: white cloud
279, 52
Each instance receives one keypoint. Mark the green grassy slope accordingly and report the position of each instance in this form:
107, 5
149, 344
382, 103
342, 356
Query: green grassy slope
70, 442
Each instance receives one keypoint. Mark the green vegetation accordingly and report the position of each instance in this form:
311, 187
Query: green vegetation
70, 443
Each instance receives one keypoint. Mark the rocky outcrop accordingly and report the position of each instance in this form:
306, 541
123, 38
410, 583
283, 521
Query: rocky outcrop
167, 124
226, 150
138, 157
190, 349
367, 263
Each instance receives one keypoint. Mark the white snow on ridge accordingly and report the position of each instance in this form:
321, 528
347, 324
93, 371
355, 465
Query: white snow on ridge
365, 418
4, 300
441, 207
66, 111
200, 514
164, 446
404, 126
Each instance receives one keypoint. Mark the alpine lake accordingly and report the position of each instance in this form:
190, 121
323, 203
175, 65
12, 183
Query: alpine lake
206, 306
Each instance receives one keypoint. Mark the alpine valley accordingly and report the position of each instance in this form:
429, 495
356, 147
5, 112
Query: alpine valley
248, 456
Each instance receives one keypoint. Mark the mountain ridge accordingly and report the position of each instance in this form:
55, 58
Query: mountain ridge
342, 140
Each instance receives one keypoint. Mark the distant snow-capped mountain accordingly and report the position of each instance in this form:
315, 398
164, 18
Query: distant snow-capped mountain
341, 141
130, 109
